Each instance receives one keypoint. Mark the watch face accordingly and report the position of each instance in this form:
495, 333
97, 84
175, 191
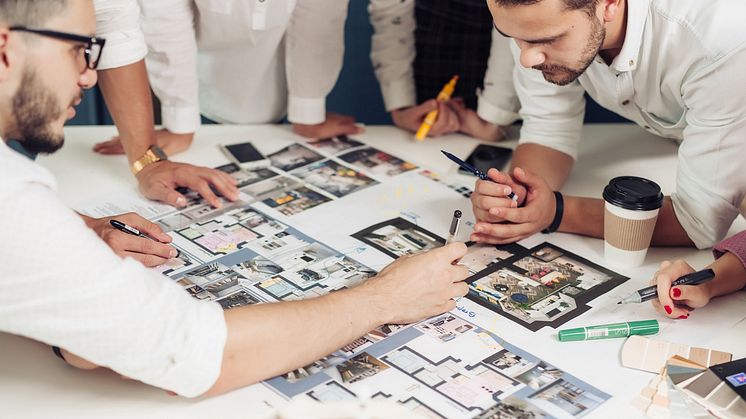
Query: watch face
158, 152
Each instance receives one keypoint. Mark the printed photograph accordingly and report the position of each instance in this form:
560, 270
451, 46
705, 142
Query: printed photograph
312, 368
293, 157
398, 237
568, 397
238, 299
335, 145
295, 201
547, 254
360, 367
481, 256
264, 189
513, 408
508, 363
539, 376
536, 293
335, 178
445, 328
377, 162
258, 269
215, 278
246, 177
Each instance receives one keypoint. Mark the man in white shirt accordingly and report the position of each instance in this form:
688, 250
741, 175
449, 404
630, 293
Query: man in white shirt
62, 286
418, 45
672, 66
245, 62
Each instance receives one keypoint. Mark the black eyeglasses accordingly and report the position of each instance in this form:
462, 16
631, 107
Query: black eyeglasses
93, 45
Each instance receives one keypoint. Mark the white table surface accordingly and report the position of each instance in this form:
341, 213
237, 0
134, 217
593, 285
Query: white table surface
33, 383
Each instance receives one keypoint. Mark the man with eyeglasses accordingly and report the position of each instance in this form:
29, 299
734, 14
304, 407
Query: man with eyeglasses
60, 285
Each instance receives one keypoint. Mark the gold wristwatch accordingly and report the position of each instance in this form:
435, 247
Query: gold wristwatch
154, 154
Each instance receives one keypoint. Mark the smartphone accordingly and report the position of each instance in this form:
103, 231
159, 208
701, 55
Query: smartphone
245, 155
486, 156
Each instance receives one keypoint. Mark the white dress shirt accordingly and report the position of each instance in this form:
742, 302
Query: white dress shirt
243, 61
118, 21
678, 75
63, 286
393, 52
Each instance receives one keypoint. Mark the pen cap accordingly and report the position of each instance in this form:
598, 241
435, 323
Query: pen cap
569, 335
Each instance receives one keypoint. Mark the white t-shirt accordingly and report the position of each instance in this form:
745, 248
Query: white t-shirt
679, 75
61, 285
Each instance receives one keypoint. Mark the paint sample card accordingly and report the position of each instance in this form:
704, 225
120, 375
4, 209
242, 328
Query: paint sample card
651, 355
734, 373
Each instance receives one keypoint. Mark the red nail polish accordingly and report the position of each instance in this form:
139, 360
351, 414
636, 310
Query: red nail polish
683, 317
676, 293
668, 309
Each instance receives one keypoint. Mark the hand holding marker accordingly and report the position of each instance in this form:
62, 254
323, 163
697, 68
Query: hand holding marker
651, 292
432, 116
124, 228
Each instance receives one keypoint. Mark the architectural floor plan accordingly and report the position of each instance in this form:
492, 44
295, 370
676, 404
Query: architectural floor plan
297, 234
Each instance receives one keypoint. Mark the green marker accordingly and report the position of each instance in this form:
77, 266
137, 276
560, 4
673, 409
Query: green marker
607, 331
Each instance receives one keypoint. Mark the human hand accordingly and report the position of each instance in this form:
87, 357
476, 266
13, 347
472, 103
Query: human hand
148, 252
76, 361
420, 286
169, 142
159, 180
536, 215
677, 302
411, 118
334, 125
494, 194
473, 125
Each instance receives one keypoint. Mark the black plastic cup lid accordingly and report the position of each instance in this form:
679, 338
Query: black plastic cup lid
633, 193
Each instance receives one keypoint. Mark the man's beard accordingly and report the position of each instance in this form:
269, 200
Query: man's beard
568, 75
35, 109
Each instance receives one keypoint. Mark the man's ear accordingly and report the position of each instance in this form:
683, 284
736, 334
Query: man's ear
612, 10
5, 53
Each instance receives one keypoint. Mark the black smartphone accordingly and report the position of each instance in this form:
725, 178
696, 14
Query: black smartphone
486, 156
246, 155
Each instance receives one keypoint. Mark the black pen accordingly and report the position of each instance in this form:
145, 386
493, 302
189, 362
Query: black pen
651, 292
469, 168
135, 232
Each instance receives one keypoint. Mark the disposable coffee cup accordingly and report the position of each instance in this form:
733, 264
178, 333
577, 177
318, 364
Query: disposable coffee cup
632, 205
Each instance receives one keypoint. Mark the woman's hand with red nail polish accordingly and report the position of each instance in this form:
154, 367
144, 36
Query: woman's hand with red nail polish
675, 302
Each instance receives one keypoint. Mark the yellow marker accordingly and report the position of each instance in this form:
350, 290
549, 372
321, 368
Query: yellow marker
432, 116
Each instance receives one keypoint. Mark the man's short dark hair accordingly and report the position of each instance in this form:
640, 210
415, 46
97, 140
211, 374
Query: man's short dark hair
30, 13
587, 5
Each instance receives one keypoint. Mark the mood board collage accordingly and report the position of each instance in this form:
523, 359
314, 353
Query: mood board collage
329, 214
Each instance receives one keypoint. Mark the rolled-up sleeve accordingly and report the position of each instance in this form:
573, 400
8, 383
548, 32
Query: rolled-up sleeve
63, 286
552, 115
392, 51
169, 28
118, 21
498, 102
315, 49
735, 245
711, 183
